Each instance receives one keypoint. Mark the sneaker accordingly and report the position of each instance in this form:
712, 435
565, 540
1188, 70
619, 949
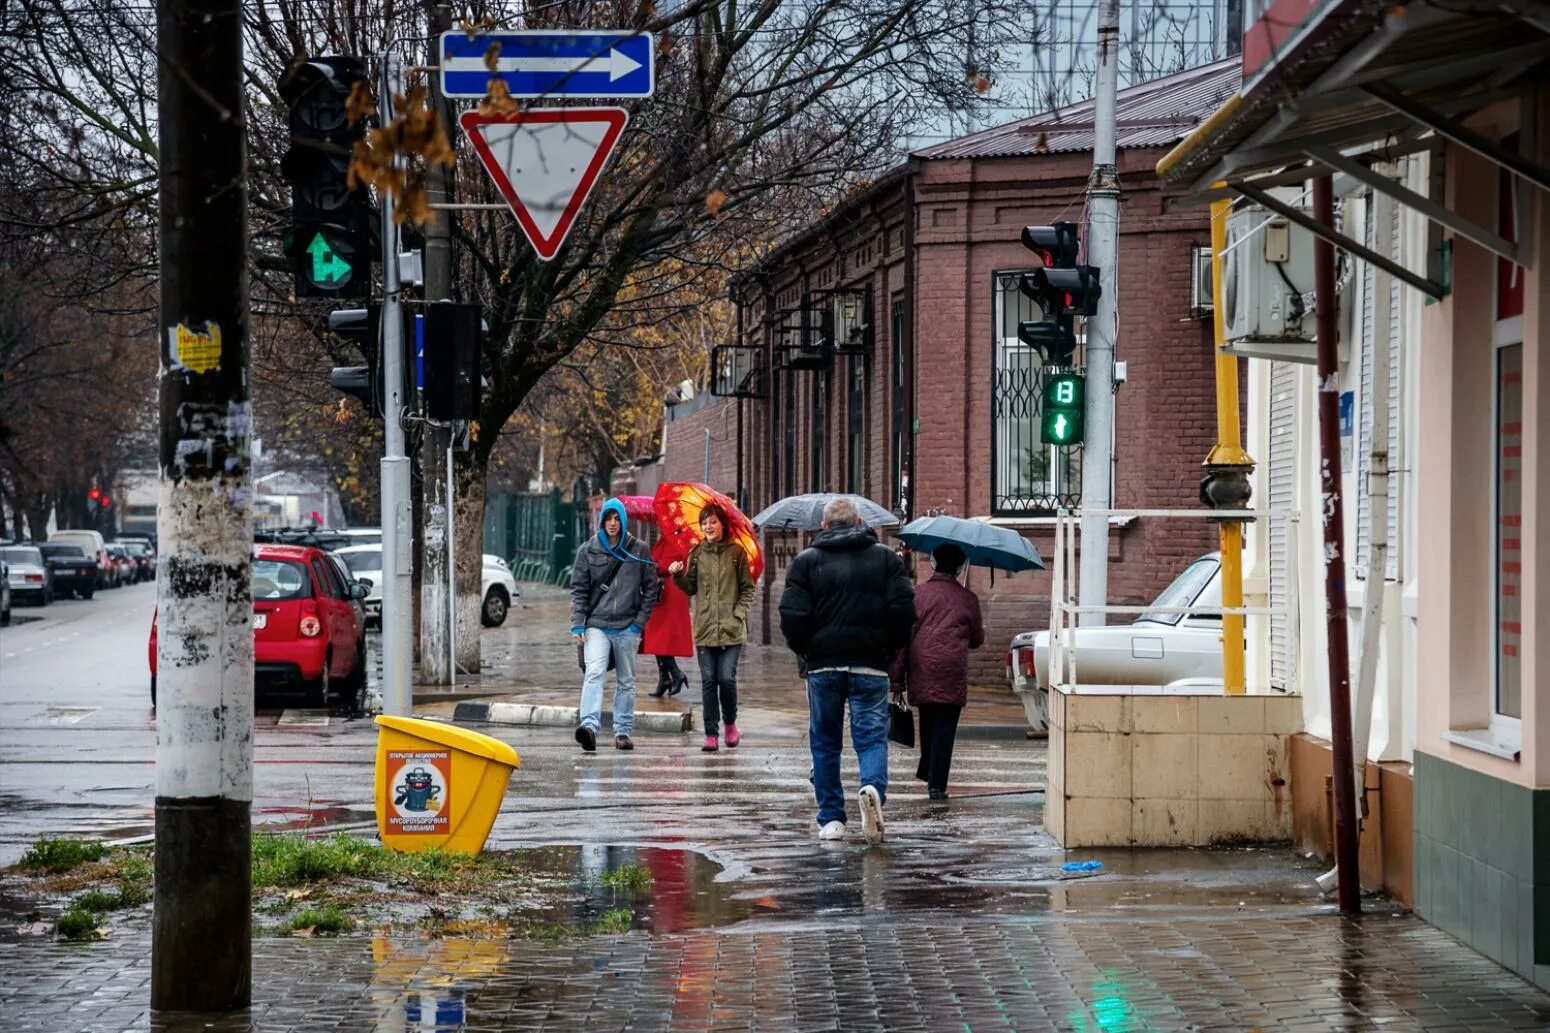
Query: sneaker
871, 814
712, 744
832, 830
733, 736
937, 794
587, 737
622, 742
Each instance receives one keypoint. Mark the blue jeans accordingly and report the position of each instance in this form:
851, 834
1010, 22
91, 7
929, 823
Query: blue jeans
718, 685
827, 693
624, 646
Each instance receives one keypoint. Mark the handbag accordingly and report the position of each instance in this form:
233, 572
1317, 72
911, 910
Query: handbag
901, 724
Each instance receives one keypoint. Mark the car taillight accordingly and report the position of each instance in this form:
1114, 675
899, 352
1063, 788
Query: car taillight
1007, 662
311, 627
1028, 663
34, 577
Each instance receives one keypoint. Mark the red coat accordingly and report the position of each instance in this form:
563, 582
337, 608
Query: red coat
668, 632
947, 626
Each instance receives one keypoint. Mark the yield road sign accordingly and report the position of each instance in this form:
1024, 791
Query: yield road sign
545, 161
550, 63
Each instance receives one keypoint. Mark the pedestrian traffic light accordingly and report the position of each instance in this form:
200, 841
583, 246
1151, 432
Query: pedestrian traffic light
1063, 407
330, 240
1061, 288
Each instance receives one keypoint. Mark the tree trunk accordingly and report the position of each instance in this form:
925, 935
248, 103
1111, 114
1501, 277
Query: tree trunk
434, 648
469, 470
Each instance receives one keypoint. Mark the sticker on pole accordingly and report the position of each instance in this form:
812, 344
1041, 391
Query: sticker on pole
421, 785
545, 162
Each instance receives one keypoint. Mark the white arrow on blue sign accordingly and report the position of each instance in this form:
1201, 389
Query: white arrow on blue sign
545, 63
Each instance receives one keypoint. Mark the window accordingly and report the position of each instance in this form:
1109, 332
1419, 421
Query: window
1508, 532
1029, 476
280, 579
327, 579
820, 390
897, 392
855, 449
1184, 590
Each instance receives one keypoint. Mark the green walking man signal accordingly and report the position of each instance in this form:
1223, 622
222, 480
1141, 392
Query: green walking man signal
1064, 404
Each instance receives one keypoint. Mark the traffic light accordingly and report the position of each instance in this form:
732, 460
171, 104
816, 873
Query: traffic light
330, 240
1064, 400
1062, 289
364, 382
453, 348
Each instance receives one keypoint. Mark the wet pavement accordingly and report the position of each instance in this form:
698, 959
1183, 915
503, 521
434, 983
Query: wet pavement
962, 919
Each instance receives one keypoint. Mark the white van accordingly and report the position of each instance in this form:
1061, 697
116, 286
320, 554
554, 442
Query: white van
92, 544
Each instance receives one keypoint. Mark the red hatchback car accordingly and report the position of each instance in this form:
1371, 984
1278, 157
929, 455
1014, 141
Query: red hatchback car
307, 625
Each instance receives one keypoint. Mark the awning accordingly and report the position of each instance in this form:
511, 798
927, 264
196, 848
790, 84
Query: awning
1365, 81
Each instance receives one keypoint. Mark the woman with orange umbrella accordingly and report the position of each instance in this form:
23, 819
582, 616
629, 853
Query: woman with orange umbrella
719, 565
667, 635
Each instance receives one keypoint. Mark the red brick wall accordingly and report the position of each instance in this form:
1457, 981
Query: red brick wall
684, 446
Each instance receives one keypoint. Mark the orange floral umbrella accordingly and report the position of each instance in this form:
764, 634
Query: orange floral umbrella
679, 505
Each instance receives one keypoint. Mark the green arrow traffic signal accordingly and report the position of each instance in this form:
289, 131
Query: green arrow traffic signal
327, 268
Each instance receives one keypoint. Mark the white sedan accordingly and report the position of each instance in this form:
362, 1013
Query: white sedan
1156, 649
498, 590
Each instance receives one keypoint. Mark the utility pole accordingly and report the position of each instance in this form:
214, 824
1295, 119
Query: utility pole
201, 935
437, 601
1337, 652
397, 517
1103, 195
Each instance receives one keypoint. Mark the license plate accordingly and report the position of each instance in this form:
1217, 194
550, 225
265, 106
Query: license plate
260, 620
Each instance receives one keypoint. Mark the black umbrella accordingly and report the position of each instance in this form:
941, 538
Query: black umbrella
805, 512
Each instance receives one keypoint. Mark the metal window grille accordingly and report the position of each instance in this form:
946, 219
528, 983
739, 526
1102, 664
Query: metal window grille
737, 371
1030, 477
896, 332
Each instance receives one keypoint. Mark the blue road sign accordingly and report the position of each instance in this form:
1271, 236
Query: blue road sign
550, 64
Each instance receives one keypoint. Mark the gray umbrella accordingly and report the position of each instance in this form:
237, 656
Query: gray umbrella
805, 512
984, 545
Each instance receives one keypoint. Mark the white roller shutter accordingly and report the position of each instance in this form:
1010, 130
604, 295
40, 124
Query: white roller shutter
1366, 341
1280, 474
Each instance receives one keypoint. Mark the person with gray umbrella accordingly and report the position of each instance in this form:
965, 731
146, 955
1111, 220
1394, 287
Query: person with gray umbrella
847, 609
934, 669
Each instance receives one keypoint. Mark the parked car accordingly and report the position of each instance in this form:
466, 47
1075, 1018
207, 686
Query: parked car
306, 628
144, 563
28, 574
1155, 649
5, 594
123, 565
75, 573
146, 544
363, 535
500, 591
94, 545
365, 565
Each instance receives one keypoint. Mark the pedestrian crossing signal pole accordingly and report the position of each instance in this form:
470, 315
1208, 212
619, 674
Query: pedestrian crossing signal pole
201, 927
1102, 252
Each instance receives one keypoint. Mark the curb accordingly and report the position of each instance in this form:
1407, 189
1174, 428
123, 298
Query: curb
528, 714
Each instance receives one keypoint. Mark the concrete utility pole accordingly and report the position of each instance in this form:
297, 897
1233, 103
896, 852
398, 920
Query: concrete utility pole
201, 935
436, 599
397, 517
1103, 195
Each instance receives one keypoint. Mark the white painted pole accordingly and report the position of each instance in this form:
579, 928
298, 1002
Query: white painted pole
1102, 251
451, 577
397, 520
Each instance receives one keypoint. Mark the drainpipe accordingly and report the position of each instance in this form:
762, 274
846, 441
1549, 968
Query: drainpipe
1227, 466
1337, 652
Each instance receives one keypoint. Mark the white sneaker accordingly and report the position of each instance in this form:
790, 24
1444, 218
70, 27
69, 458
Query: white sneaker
832, 830
871, 815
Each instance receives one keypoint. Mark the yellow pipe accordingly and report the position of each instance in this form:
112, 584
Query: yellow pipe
1228, 452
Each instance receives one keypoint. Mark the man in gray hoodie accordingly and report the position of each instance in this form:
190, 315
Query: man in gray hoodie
613, 588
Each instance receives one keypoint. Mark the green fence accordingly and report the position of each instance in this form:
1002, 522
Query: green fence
538, 534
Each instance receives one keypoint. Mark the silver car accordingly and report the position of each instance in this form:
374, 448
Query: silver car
28, 575
1155, 649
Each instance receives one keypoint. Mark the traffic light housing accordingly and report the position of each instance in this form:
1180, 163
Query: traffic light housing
454, 338
365, 383
1061, 288
1063, 409
330, 242
1056, 244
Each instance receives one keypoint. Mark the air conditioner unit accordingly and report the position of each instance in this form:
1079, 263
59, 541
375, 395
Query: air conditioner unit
1267, 283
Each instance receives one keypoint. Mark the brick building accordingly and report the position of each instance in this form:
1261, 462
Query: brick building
878, 353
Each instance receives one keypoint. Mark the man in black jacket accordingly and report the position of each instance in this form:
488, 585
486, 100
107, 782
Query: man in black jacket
847, 609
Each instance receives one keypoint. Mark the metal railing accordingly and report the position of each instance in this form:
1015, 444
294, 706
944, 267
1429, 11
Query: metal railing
1065, 609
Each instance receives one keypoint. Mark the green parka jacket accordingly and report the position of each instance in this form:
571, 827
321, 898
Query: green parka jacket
717, 575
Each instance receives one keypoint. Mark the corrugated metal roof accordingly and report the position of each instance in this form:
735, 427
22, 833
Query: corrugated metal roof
1158, 113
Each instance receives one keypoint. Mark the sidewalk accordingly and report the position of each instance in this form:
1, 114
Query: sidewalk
532, 660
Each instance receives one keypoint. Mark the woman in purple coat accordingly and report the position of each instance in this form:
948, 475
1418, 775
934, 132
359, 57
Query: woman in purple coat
936, 664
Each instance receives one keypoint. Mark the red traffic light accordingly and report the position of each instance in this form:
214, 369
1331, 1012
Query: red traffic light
106, 502
94, 494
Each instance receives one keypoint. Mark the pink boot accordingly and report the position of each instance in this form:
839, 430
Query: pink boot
711, 745
733, 736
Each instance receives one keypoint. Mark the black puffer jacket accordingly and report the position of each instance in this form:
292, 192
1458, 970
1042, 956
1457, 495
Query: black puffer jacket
848, 602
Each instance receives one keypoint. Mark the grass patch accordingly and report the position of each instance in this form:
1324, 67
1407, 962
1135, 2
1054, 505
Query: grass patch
97, 900
628, 877
77, 924
327, 920
56, 856
294, 861
614, 921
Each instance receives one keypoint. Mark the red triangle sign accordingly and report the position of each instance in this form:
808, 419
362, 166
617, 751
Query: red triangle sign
545, 162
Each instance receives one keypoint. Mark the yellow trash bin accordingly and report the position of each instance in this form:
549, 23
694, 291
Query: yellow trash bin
438, 785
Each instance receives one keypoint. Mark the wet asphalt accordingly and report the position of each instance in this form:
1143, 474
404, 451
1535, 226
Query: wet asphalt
962, 919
